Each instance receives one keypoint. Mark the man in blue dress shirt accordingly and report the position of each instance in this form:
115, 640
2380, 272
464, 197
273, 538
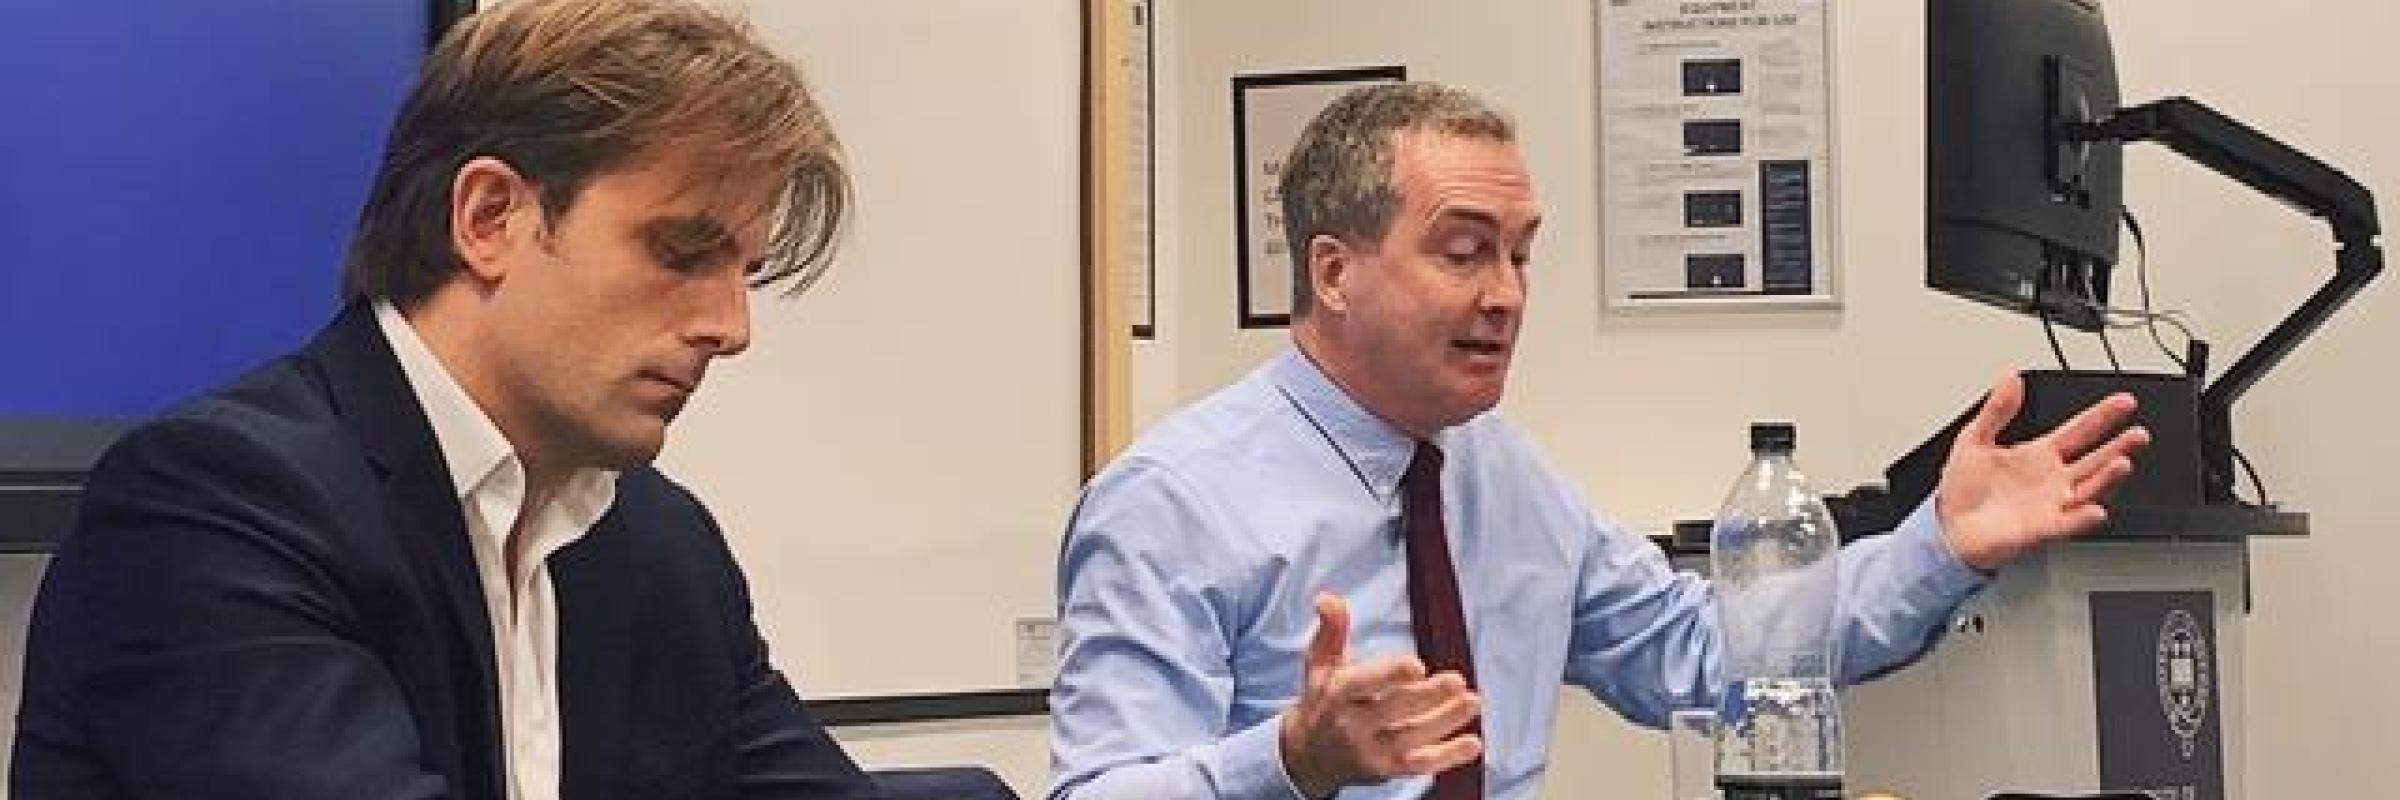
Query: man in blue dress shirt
1235, 589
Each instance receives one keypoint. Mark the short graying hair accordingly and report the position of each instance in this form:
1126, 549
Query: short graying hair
1338, 180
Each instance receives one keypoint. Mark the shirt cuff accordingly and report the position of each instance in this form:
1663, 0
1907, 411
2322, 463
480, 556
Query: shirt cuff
1946, 577
1249, 764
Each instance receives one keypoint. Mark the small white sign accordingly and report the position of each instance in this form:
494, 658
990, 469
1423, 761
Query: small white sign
1037, 651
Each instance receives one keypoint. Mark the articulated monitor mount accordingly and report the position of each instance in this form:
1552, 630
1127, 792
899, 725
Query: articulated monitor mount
2277, 170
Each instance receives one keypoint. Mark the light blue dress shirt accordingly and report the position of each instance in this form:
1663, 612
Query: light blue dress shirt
1188, 578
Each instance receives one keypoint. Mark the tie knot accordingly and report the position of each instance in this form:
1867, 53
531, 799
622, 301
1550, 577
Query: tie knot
1424, 474
1424, 468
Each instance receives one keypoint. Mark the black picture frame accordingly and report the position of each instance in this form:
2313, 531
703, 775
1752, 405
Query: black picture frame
1251, 310
1145, 327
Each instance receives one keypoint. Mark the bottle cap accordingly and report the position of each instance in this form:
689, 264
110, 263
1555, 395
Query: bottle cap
1772, 437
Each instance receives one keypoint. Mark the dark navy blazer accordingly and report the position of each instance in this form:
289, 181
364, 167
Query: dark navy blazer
268, 595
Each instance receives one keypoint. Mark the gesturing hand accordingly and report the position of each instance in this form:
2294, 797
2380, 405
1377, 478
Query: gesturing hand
1363, 723
1996, 502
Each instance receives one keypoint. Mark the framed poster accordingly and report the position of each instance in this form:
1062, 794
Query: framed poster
1141, 143
1269, 110
1716, 153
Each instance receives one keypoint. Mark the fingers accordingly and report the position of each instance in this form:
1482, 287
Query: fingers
2091, 425
1383, 719
1416, 697
1442, 756
2096, 473
2118, 448
1999, 406
1369, 683
2083, 518
1329, 648
2097, 485
1436, 723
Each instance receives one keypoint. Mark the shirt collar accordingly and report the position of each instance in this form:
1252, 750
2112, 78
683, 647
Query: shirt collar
1377, 452
472, 446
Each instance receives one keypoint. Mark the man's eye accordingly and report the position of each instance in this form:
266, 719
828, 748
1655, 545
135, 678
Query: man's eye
687, 258
686, 253
686, 246
1466, 250
681, 259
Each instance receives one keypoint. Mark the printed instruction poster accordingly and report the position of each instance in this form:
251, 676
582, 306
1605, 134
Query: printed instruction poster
1716, 140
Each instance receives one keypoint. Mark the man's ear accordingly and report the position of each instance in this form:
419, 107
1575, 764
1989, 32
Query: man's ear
1329, 262
493, 211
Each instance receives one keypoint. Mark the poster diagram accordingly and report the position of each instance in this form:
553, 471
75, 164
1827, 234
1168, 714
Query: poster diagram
1716, 146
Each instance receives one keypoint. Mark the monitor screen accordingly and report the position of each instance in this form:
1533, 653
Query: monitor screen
2016, 215
178, 182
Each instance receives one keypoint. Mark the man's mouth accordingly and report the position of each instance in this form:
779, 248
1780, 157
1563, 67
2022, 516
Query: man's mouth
1481, 347
682, 385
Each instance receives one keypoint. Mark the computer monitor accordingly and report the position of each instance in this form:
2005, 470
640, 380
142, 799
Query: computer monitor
2017, 215
178, 182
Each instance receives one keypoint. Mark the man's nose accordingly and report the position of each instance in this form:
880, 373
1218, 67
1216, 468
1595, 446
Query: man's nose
1504, 291
723, 325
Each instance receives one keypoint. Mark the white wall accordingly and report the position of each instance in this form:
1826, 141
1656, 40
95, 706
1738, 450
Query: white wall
937, 360
20, 577
894, 458
2321, 75
1647, 412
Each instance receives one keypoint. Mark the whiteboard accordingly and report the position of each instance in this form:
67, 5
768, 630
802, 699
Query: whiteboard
895, 457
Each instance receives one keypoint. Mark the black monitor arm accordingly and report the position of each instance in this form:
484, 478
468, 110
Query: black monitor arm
2274, 169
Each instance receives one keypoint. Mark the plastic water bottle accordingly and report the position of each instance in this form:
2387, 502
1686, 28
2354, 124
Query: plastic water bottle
1772, 555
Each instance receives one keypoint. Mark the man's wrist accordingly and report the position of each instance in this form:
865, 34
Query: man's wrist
1960, 543
1304, 776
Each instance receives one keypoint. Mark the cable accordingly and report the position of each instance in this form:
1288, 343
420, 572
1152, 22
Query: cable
2139, 318
2048, 331
2091, 293
2141, 262
2149, 320
2131, 318
2251, 471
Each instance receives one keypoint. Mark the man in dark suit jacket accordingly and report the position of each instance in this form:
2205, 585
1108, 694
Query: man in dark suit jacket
425, 556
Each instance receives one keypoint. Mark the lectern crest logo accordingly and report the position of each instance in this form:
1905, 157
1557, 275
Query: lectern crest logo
2183, 677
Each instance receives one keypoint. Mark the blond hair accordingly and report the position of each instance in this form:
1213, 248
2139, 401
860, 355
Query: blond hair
566, 90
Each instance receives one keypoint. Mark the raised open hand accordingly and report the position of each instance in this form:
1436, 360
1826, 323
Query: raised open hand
1998, 501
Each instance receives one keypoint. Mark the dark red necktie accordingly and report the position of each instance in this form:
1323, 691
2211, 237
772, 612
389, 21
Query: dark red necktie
1433, 605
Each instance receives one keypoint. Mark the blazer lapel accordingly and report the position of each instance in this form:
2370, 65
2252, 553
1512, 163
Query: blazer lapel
596, 615
373, 397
